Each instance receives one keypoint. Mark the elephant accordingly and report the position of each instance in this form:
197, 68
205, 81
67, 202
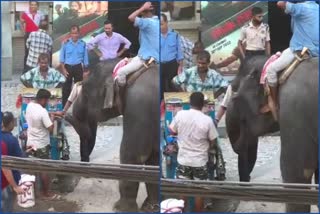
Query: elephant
141, 125
298, 121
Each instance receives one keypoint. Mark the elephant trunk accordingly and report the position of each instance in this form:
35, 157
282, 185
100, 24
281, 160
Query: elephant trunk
69, 118
233, 127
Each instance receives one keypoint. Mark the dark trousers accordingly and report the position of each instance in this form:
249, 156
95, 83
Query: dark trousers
255, 53
26, 51
75, 75
168, 71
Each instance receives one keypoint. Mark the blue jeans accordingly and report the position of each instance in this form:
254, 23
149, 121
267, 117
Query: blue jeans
7, 200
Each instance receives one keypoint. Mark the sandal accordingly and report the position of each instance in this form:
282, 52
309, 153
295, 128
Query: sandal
53, 197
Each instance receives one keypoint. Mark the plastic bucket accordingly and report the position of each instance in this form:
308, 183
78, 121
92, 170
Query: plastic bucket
27, 199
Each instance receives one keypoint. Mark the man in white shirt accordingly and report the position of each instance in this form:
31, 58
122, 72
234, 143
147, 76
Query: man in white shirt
196, 134
39, 127
256, 35
76, 90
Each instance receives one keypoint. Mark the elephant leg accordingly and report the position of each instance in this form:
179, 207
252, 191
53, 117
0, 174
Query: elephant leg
128, 190
316, 181
243, 154
84, 151
84, 143
93, 133
243, 166
128, 194
292, 163
252, 152
316, 176
288, 178
299, 208
151, 204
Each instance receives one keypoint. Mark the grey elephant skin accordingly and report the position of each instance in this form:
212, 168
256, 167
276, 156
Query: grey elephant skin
298, 122
141, 125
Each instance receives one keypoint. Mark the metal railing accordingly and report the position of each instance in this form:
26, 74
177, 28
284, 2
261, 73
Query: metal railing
138, 173
247, 191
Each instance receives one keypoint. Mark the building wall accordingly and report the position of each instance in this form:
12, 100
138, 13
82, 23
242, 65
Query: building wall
12, 40
189, 28
18, 54
6, 41
191, 34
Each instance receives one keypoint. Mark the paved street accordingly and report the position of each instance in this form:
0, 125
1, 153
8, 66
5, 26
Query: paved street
107, 146
97, 195
103, 193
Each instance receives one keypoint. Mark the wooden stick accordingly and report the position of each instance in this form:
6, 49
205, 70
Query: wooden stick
284, 76
149, 62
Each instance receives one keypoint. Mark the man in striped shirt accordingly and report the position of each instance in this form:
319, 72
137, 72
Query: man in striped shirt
43, 76
37, 43
186, 47
200, 77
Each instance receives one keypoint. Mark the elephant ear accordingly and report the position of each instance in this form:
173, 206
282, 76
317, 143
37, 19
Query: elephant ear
241, 110
248, 94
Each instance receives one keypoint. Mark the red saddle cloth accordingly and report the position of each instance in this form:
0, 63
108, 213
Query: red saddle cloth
273, 58
19, 101
162, 110
119, 65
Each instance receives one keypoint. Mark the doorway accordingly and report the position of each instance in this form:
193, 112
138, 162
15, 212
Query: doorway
280, 28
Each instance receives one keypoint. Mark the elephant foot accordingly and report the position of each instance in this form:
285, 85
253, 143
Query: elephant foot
85, 159
150, 207
246, 179
125, 206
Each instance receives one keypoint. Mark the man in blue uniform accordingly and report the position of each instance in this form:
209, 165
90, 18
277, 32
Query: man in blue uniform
73, 59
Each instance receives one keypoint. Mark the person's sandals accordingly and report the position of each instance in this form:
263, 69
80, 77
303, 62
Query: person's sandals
52, 197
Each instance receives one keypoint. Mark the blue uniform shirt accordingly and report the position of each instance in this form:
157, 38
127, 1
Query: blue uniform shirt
171, 47
305, 26
148, 37
13, 150
74, 53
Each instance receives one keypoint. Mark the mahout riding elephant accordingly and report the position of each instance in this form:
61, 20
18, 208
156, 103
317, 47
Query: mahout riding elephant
298, 121
141, 125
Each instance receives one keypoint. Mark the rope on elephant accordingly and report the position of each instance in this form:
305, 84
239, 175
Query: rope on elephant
137, 173
246, 191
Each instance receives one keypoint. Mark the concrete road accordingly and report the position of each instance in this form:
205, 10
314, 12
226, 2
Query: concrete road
99, 195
